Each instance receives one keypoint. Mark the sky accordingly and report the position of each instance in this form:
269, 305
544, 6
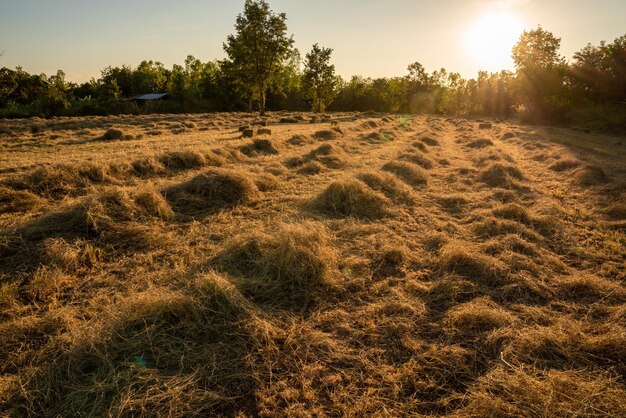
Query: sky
369, 38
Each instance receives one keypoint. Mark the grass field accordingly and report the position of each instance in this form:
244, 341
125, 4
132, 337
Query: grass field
363, 264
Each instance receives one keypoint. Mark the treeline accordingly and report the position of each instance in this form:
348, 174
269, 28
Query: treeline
589, 89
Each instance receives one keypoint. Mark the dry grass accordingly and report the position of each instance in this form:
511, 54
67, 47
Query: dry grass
395, 266
500, 175
288, 266
407, 172
212, 190
352, 198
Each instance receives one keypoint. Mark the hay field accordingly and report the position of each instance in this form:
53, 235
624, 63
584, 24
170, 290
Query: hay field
362, 264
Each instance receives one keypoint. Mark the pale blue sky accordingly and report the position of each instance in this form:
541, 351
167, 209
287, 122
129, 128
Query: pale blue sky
371, 38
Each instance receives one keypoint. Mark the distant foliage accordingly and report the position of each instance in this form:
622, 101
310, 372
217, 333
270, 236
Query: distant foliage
319, 81
264, 71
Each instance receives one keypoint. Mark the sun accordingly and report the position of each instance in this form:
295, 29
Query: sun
490, 39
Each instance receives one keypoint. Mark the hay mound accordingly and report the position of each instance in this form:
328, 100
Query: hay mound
183, 159
617, 211
389, 262
147, 167
514, 392
311, 168
17, 201
429, 141
508, 135
212, 190
259, 146
327, 134
417, 158
298, 140
513, 243
329, 155
407, 172
140, 340
564, 165
590, 289
590, 176
454, 204
480, 143
462, 260
476, 317
286, 266
388, 185
60, 180
492, 227
113, 134
500, 175
352, 198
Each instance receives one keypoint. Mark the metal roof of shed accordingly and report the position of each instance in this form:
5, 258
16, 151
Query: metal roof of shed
150, 96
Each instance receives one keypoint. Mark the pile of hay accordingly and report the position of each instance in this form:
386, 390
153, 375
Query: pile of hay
407, 172
352, 198
212, 190
288, 266
259, 146
501, 175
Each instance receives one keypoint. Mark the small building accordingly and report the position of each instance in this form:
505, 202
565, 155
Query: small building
142, 99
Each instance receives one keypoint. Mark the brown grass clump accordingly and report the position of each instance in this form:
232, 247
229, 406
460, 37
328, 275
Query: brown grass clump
327, 134
429, 141
259, 146
61, 180
508, 135
183, 159
589, 176
311, 168
460, 259
500, 175
48, 284
476, 317
454, 204
417, 158
352, 198
590, 289
388, 185
389, 261
147, 167
616, 211
492, 227
212, 190
480, 143
157, 353
524, 391
407, 172
564, 165
17, 201
287, 266
298, 140
329, 155
113, 134
511, 242
566, 343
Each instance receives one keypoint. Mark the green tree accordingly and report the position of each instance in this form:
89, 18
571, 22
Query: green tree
258, 50
540, 75
319, 82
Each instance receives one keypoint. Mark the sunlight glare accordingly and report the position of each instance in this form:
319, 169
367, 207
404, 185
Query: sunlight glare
491, 38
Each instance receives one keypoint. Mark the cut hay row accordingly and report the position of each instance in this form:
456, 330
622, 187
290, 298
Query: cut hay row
397, 266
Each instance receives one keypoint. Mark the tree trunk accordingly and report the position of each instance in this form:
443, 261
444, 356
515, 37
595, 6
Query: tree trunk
263, 102
250, 104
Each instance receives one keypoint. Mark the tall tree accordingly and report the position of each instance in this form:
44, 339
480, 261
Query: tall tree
258, 50
319, 80
540, 74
